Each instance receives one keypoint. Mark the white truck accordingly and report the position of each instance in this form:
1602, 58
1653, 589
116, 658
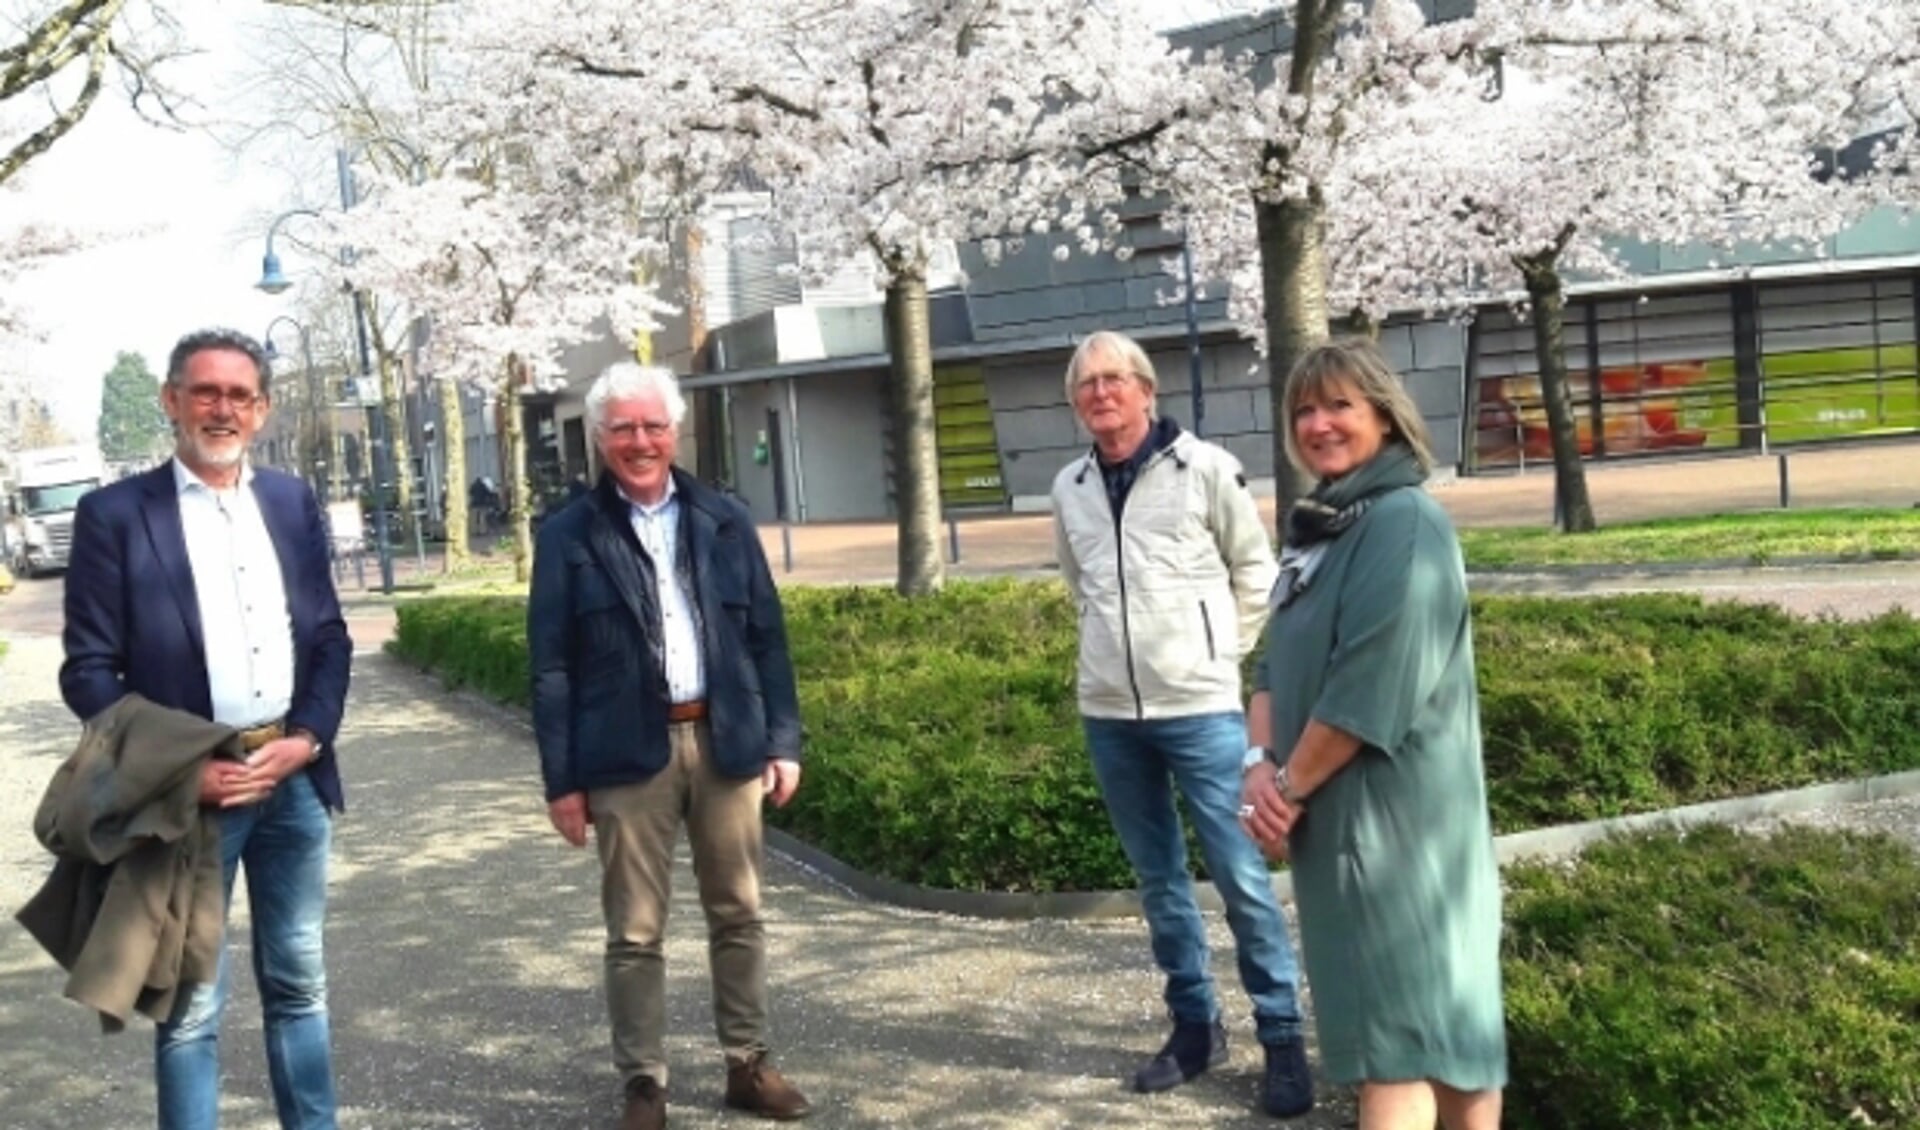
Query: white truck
43, 488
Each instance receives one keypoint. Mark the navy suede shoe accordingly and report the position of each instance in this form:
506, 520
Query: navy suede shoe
1189, 1051
1288, 1089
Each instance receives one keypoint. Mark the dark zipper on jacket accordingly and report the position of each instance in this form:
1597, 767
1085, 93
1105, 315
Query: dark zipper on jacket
1120, 567
1206, 622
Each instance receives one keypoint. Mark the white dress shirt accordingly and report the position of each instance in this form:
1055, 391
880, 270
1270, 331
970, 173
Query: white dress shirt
244, 622
658, 528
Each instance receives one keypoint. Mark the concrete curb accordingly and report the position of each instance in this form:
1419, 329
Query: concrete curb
1557, 842
1565, 840
1495, 575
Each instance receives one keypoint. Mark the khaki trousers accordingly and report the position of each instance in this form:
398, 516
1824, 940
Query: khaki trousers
636, 828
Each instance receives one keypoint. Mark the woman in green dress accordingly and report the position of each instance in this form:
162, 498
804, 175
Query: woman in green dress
1371, 783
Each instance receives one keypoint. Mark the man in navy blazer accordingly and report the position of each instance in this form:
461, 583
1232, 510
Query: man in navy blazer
205, 585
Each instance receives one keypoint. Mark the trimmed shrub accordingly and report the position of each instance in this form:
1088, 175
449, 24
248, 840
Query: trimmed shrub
472, 641
943, 737
1716, 980
1593, 708
944, 744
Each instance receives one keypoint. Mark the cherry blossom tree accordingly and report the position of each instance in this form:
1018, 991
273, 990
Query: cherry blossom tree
882, 130
1254, 143
1456, 161
357, 76
1671, 122
514, 265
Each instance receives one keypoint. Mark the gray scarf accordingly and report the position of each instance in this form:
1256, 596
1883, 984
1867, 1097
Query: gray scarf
1316, 521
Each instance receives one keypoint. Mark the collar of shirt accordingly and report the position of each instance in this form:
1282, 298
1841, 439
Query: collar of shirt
657, 509
185, 480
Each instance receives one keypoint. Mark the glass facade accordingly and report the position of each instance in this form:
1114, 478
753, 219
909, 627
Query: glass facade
1737, 366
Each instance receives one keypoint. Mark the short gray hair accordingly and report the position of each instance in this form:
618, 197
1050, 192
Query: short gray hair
218, 338
625, 380
1130, 354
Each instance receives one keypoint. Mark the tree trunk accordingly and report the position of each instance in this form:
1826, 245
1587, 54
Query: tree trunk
326, 477
916, 454
1542, 274
453, 460
513, 433
399, 449
1293, 278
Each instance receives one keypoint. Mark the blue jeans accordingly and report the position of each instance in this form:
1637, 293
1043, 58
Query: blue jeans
1139, 764
283, 842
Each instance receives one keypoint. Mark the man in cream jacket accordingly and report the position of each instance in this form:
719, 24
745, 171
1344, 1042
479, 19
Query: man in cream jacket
1165, 555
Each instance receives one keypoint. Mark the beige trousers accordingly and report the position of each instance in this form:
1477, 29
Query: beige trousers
636, 828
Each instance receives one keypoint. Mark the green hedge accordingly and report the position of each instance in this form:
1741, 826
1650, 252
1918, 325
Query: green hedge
1716, 981
944, 746
1594, 708
472, 641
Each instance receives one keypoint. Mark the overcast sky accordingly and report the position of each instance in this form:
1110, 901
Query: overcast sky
198, 219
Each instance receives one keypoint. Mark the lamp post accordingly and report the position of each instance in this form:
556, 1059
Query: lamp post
274, 282
320, 432
349, 196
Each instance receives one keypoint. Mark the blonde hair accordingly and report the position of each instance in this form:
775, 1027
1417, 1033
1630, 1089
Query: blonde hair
1356, 362
1130, 354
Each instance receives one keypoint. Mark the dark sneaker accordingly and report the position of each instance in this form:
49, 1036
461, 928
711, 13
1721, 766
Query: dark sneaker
1288, 1089
1189, 1051
754, 1085
646, 1107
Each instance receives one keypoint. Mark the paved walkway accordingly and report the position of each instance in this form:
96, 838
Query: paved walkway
464, 951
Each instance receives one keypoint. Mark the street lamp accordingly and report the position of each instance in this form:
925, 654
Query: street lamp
272, 279
274, 282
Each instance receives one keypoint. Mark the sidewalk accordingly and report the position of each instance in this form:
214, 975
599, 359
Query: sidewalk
1878, 474
464, 951
1884, 474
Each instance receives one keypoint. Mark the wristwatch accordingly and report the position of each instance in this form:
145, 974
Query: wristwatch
313, 741
1283, 781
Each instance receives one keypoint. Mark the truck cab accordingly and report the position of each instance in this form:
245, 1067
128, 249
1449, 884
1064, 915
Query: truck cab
43, 490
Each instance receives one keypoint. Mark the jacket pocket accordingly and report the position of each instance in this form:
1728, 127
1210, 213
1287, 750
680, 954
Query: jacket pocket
1206, 627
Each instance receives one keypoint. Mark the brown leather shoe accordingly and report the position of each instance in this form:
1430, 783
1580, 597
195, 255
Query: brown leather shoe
757, 1086
646, 1105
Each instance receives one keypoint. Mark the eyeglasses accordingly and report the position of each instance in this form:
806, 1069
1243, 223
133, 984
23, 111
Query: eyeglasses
625, 430
1108, 381
209, 396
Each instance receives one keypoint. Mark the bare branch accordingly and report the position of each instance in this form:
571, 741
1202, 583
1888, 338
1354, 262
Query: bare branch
42, 139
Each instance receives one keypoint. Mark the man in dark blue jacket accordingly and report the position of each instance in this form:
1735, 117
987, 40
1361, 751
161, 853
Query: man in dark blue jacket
204, 585
663, 694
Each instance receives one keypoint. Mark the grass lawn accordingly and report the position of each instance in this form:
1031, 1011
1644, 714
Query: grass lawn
1756, 538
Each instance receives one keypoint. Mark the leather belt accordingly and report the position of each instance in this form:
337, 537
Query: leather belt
687, 711
265, 732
